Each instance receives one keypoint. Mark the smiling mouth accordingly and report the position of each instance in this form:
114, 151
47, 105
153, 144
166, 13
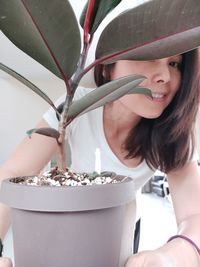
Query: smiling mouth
158, 96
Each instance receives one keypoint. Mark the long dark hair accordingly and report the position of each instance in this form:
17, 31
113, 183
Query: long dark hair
166, 142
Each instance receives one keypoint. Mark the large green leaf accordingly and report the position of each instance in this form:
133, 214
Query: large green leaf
101, 9
45, 30
106, 93
155, 29
29, 84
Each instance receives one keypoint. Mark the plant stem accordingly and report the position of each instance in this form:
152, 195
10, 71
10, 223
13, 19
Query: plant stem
71, 88
81, 65
62, 131
88, 18
61, 150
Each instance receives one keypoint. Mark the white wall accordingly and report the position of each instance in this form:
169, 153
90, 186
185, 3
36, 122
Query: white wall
20, 109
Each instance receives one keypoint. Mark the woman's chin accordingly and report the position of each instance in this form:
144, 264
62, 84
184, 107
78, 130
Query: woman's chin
152, 116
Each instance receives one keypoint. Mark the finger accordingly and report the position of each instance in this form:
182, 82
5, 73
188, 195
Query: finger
134, 261
5, 262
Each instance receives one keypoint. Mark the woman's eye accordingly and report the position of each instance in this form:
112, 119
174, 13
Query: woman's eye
175, 64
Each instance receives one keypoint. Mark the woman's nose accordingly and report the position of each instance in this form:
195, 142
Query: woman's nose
161, 72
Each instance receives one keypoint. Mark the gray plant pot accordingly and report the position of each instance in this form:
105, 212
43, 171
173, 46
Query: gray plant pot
70, 226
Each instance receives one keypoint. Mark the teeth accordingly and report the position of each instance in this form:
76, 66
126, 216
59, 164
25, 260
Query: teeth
157, 95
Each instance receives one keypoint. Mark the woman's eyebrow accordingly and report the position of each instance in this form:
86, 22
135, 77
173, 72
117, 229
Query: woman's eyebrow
179, 57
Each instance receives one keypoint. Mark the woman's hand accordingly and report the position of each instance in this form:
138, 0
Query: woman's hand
150, 259
176, 253
5, 262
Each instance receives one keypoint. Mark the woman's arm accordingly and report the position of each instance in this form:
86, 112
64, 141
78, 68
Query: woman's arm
184, 188
29, 158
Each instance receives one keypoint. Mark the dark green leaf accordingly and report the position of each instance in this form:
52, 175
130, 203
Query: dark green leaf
44, 131
141, 91
155, 29
106, 93
101, 9
105, 6
48, 32
29, 84
108, 174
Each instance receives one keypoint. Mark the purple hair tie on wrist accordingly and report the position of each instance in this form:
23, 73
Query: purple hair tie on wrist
187, 239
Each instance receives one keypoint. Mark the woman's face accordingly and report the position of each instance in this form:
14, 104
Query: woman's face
163, 78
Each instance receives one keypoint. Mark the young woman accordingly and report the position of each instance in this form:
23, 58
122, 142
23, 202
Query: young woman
136, 136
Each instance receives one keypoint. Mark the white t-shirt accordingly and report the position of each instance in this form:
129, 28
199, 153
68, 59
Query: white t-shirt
85, 135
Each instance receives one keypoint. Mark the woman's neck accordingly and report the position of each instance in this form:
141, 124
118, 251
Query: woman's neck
119, 118
117, 123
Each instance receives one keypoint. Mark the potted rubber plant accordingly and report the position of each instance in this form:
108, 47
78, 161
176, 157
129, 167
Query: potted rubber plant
55, 223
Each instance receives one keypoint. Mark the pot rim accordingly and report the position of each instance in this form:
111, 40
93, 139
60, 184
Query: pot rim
68, 198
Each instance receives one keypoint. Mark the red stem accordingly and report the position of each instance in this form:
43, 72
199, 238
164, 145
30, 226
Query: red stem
88, 20
66, 80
